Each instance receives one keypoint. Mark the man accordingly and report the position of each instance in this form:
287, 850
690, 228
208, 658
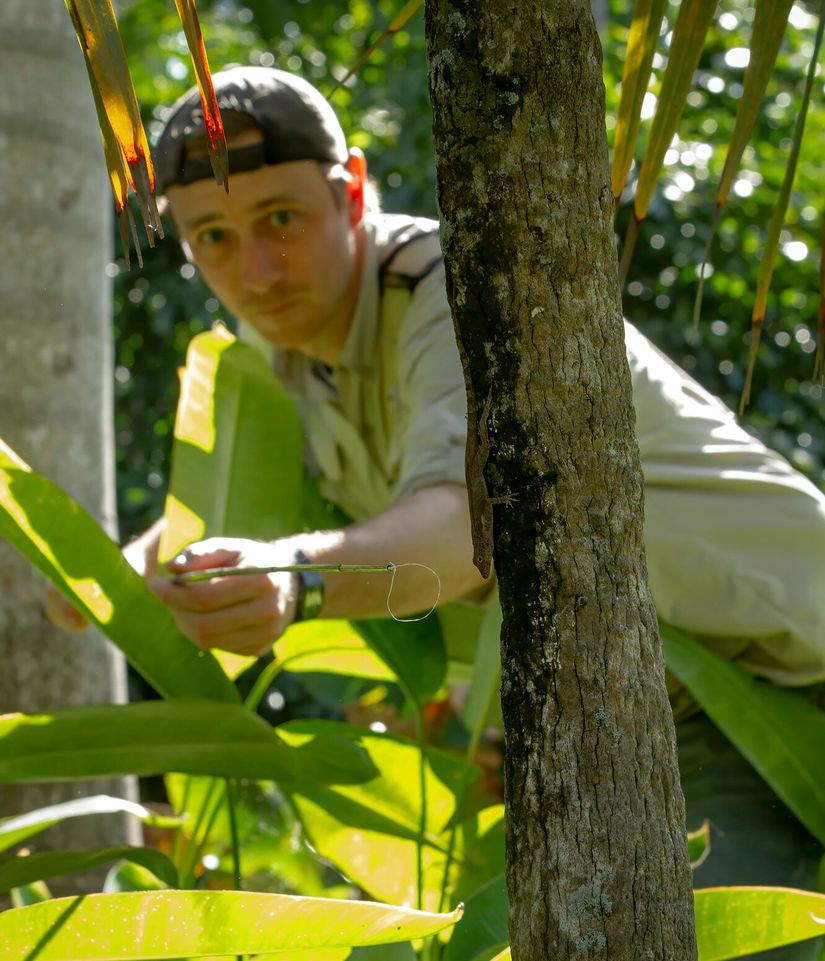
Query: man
312, 272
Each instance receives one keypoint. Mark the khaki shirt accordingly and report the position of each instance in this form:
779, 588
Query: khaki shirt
735, 538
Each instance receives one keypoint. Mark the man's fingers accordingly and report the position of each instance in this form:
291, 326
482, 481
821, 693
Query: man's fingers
213, 595
60, 612
258, 620
192, 559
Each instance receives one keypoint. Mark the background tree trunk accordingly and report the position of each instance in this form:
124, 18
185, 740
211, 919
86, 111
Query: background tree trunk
597, 860
55, 356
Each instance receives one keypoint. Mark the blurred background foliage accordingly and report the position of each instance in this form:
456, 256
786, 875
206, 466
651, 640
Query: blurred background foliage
385, 111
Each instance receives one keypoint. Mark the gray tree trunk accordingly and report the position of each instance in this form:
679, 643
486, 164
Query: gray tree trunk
597, 863
55, 357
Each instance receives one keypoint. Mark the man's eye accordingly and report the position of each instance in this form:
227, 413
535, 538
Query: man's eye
280, 218
211, 237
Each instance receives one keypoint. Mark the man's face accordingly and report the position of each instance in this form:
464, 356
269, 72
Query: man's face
281, 251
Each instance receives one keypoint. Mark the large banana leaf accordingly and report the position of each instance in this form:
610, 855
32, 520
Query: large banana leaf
197, 924
330, 647
236, 459
384, 836
777, 730
53, 532
484, 923
15, 830
154, 737
731, 922
236, 471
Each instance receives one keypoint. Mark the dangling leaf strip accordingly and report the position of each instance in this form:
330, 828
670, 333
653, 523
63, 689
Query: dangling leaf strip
396, 24
819, 366
688, 41
641, 45
97, 32
771, 251
211, 112
769, 22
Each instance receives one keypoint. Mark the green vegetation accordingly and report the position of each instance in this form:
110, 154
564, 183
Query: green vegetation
334, 811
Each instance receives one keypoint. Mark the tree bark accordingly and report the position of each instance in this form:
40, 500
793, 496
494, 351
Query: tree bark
597, 862
55, 355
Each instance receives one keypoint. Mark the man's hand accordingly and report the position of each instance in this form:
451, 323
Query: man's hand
245, 614
60, 612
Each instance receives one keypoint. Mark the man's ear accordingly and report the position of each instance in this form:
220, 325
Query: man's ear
356, 167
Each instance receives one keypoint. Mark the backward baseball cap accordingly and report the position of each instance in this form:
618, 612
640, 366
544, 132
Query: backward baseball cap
295, 121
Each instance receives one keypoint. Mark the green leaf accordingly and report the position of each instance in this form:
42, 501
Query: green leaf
30, 894
371, 831
413, 651
777, 730
483, 694
18, 871
484, 923
17, 829
127, 876
771, 248
196, 924
699, 845
154, 737
731, 922
53, 532
236, 457
330, 647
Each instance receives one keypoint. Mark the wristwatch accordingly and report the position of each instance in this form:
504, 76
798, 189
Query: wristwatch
310, 597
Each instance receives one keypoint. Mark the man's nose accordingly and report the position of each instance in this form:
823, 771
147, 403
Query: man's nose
262, 265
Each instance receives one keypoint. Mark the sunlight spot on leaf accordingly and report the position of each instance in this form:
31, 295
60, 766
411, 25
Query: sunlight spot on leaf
728, 21
743, 188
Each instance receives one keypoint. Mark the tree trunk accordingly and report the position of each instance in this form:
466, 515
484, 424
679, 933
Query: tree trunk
597, 862
55, 356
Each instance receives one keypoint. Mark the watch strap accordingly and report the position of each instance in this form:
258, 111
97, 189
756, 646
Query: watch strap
310, 597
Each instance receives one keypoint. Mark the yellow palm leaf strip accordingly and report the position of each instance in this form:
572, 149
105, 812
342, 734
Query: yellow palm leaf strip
819, 367
211, 113
396, 24
100, 39
771, 251
641, 45
117, 172
686, 47
770, 18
